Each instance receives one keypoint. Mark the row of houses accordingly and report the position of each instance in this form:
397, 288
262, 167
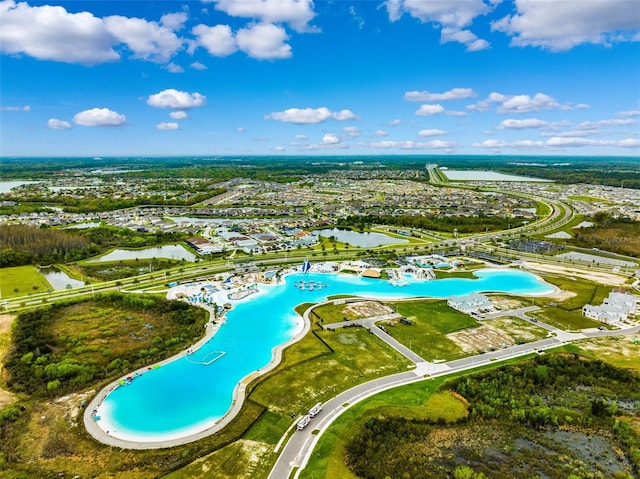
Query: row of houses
615, 308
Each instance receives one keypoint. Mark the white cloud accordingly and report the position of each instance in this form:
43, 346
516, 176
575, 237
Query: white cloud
172, 98
173, 68
167, 126
522, 124
278, 149
414, 145
296, 13
51, 33
178, 115
344, 115
451, 16
241, 129
572, 133
589, 125
174, 21
198, 66
572, 142
395, 122
559, 26
428, 110
358, 19
525, 103
264, 42
380, 133
629, 113
519, 103
16, 108
304, 116
558, 142
331, 139
147, 40
217, 40
456, 113
99, 117
301, 137
466, 37
453, 94
56, 124
352, 131
432, 132
493, 144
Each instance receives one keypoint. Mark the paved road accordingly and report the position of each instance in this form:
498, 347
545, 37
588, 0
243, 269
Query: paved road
298, 449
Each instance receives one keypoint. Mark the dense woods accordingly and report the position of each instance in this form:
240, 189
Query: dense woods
554, 416
66, 347
618, 235
464, 224
22, 244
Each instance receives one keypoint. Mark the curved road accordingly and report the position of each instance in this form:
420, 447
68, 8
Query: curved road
298, 449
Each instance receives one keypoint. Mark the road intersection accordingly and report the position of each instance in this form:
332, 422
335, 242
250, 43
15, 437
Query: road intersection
298, 449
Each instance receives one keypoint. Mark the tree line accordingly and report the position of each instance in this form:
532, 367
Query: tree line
24, 244
548, 392
464, 224
42, 363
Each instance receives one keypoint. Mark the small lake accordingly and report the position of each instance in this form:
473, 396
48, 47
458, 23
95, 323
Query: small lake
355, 238
174, 251
6, 186
477, 175
83, 226
59, 279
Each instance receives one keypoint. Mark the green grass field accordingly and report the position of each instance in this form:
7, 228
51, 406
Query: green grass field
22, 280
567, 314
432, 320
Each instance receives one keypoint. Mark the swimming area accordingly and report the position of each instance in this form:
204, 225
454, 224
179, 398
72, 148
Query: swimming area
193, 392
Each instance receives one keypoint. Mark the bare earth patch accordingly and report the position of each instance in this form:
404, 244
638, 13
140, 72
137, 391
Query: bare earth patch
600, 277
5, 322
481, 339
368, 309
621, 351
5, 327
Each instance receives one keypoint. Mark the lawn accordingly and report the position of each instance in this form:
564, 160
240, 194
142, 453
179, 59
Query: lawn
620, 351
432, 320
563, 319
21, 280
567, 314
358, 357
332, 313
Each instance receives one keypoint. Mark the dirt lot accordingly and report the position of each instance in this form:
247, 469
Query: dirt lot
600, 277
622, 351
367, 309
5, 328
484, 338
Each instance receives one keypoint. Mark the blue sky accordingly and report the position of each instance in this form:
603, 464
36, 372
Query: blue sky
296, 77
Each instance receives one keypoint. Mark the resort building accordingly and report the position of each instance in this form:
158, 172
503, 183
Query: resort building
615, 308
474, 304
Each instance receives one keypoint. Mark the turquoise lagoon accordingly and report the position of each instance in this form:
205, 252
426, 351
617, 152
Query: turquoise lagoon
186, 396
